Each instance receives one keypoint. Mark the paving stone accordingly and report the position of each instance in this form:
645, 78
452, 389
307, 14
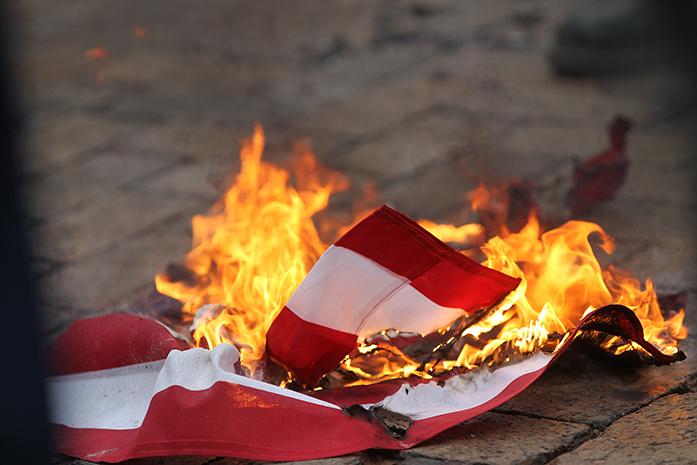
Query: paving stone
158, 84
580, 141
108, 169
597, 391
116, 275
195, 180
281, 138
47, 69
668, 262
431, 192
514, 82
211, 143
479, 23
571, 141
410, 146
656, 184
650, 220
502, 439
109, 221
56, 98
246, 30
340, 79
202, 141
665, 230
491, 165
664, 432
66, 137
654, 149
376, 107
149, 64
644, 149
153, 103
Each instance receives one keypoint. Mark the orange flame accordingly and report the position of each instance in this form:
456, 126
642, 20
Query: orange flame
464, 234
259, 241
562, 280
253, 249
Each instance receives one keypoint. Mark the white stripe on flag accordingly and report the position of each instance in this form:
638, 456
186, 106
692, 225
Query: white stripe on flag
408, 310
341, 289
348, 292
118, 398
461, 392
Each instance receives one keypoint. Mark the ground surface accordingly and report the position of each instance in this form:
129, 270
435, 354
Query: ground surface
424, 97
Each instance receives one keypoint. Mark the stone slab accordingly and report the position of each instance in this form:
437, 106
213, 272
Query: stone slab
598, 391
61, 140
432, 192
494, 439
662, 433
109, 221
105, 170
117, 275
422, 140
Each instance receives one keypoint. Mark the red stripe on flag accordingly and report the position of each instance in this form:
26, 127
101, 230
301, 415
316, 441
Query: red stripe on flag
111, 341
393, 241
458, 283
237, 421
225, 420
307, 349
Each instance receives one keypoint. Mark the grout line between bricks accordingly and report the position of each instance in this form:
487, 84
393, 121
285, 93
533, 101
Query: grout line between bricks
518, 413
682, 388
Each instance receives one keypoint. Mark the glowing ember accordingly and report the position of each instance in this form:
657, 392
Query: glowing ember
139, 32
96, 53
259, 241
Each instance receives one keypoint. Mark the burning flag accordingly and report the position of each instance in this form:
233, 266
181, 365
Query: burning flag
408, 335
386, 272
125, 387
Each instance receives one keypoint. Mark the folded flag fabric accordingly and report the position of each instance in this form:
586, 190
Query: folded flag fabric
124, 386
386, 272
113, 405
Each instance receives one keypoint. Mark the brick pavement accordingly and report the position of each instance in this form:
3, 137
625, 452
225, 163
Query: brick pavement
423, 97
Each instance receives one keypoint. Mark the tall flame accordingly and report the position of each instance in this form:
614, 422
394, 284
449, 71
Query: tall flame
259, 241
254, 248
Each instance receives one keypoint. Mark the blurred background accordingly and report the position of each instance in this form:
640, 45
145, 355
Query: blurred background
124, 119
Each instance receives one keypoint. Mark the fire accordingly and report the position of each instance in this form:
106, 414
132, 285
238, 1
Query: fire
259, 241
464, 234
561, 281
253, 249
